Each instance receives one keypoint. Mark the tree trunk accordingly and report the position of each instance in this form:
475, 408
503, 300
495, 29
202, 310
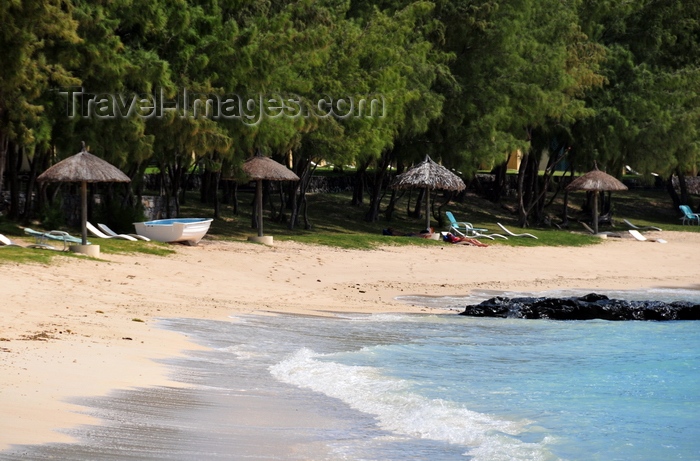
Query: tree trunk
595, 211
305, 171
13, 173
234, 196
683, 186
358, 190
672, 192
391, 207
378, 186
416, 213
522, 212
217, 207
267, 191
165, 188
565, 211
208, 186
281, 211
438, 215
38, 161
4, 145
499, 172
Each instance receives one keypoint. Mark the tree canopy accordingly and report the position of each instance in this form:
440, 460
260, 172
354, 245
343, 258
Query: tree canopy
209, 83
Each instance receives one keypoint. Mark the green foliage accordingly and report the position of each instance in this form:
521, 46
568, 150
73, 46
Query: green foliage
52, 217
467, 82
648, 112
118, 217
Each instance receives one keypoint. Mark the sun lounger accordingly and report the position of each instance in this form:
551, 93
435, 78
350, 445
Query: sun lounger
513, 234
688, 215
465, 229
65, 237
109, 231
6, 242
591, 231
641, 228
637, 235
98, 233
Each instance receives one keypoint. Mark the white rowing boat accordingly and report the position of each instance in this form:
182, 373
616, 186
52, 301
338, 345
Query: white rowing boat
185, 230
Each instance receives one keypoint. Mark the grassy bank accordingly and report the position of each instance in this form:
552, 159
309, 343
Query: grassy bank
333, 221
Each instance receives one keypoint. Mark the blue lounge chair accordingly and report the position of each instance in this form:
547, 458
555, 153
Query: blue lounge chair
465, 229
65, 237
688, 215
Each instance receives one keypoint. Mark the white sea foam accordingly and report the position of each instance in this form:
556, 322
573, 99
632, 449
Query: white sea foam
374, 317
244, 352
404, 412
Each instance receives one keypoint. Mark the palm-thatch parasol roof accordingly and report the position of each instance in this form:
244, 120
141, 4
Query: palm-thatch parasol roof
262, 168
83, 167
596, 181
429, 175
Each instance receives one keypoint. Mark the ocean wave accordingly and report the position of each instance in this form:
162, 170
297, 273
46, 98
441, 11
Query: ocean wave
402, 411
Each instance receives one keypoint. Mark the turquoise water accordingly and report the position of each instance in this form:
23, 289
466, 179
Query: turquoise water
513, 389
505, 390
418, 387
452, 387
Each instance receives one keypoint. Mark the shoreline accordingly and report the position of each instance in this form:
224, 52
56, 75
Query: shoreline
64, 326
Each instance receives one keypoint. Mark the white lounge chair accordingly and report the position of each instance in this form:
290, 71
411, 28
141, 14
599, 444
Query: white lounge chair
606, 233
98, 233
6, 242
640, 228
466, 229
637, 235
513, 234
109, 231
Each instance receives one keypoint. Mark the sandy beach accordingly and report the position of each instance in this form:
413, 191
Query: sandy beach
85, 327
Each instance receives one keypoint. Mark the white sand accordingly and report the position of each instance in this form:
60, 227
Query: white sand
86, 308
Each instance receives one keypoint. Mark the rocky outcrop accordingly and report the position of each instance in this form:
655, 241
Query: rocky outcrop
591, 306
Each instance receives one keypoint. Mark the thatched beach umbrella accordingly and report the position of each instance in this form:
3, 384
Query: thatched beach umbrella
429, 175
83, 167
262, 168
596, 181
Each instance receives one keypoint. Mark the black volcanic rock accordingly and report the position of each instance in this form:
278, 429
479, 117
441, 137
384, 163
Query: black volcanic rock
591, 306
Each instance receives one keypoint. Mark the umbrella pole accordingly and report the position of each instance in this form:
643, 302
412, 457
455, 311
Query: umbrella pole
259, 205
427, 209
595, 211
83, 211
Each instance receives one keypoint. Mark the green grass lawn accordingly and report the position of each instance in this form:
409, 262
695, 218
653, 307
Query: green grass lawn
335, 222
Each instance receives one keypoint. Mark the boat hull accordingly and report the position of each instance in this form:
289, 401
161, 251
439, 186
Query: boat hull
186, 230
